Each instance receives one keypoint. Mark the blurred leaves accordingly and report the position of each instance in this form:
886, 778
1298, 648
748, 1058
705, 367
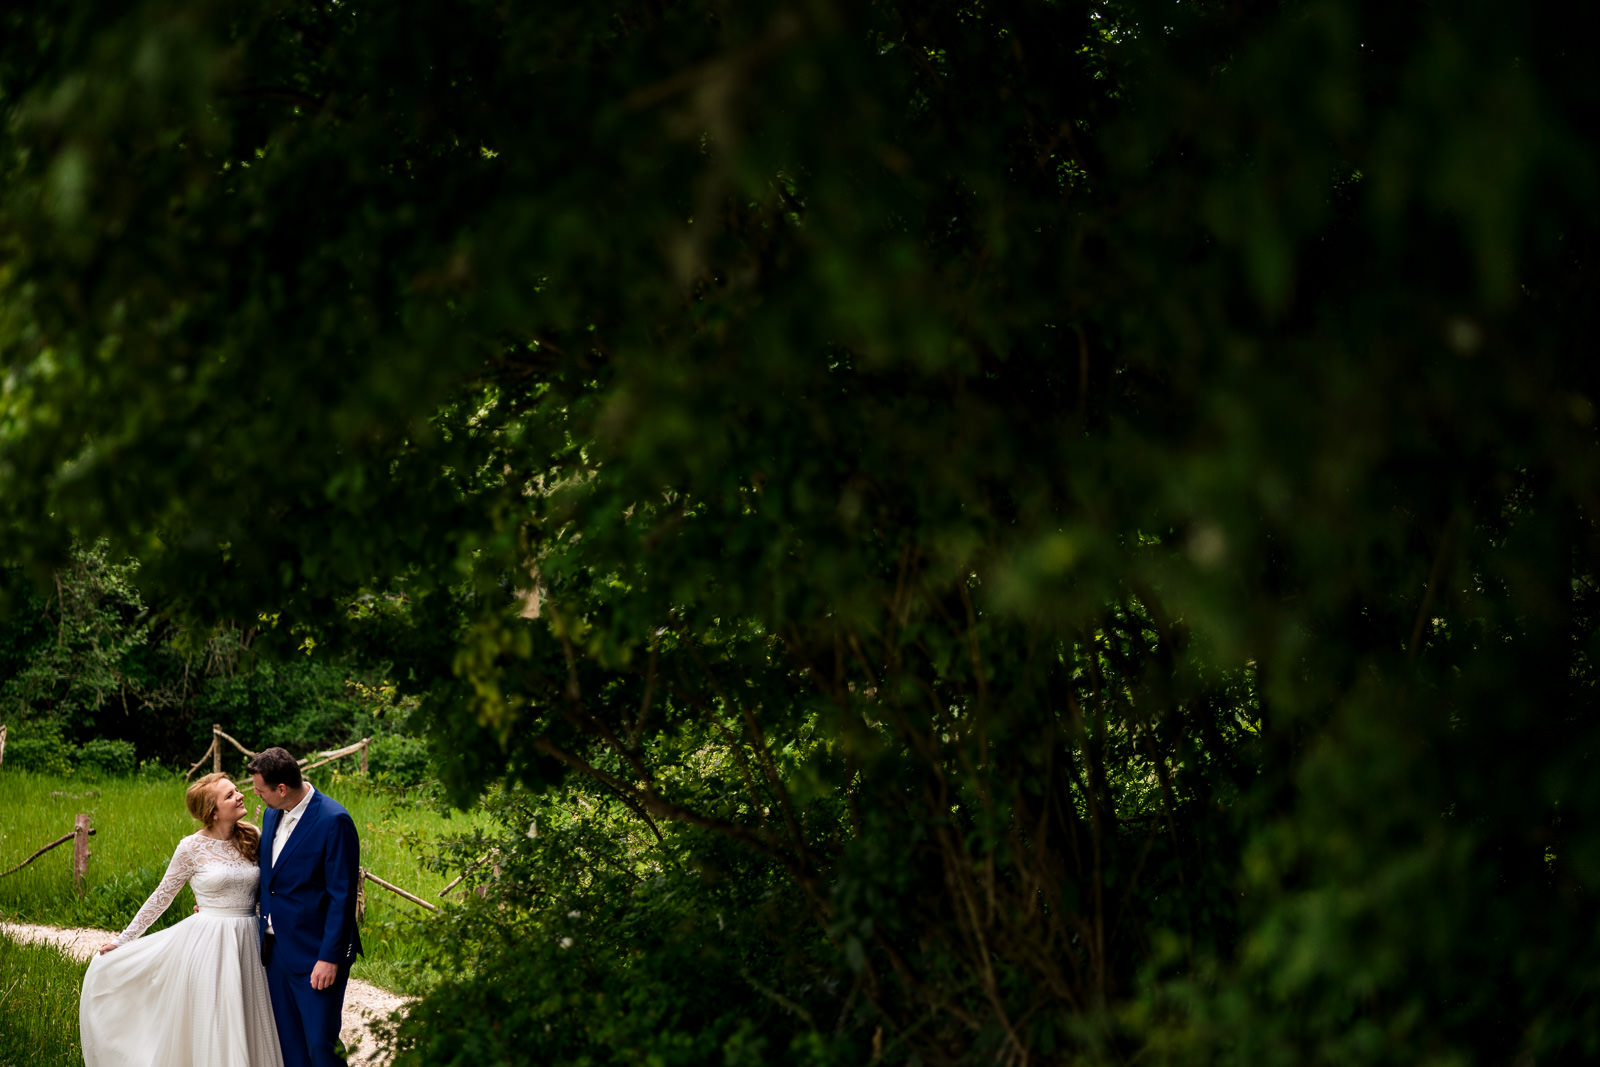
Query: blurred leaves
1092, 502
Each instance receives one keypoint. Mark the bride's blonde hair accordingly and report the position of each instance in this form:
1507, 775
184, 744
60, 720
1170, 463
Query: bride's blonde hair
202, 804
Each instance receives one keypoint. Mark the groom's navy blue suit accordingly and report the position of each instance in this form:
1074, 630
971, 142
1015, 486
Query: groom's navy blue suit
310, 895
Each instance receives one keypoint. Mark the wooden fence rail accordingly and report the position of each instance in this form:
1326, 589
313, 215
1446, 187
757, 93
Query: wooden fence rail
81, 832
397, 891
218, 736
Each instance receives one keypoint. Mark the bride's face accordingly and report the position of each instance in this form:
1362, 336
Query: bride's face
230, 802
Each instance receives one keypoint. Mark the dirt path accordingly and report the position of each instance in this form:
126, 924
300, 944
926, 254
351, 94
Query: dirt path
362, 1002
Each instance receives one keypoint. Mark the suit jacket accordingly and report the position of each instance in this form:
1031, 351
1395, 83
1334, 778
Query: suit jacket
310, 893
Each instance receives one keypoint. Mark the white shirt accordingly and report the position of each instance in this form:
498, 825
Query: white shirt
286, 825
287, 821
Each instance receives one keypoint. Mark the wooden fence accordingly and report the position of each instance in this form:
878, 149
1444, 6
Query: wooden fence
218, 736
81, 832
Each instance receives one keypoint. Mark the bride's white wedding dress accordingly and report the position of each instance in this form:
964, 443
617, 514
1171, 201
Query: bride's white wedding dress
195, 994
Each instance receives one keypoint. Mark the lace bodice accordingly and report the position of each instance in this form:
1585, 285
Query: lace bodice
220, 876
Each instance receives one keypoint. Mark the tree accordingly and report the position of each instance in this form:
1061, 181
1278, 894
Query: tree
88, 661
1096, 500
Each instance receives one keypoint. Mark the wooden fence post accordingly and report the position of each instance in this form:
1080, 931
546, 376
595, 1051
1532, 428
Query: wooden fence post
366, 743
216, 748
80, 852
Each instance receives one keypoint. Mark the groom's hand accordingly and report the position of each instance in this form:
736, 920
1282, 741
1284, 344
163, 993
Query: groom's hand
323, 974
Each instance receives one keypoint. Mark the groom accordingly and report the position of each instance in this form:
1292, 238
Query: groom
310, 869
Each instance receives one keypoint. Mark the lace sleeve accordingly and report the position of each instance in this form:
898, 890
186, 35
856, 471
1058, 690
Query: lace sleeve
184, 864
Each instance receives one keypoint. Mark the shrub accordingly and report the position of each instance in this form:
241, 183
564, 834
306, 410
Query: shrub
105, 756
397, 759
592, 947
153, 770
43, 753
301, 704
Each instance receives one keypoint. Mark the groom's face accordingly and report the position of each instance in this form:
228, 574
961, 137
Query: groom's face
273, 796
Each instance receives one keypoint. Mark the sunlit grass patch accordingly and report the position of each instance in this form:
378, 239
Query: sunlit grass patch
139, 822
39, 1006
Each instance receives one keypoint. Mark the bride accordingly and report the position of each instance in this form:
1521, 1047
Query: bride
195, 994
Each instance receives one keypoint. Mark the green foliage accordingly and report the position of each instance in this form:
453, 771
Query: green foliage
102, 756
595, 947
39, 1006
44, 753
48, 753
93, 664
302, 704
73, 654
398, 759
1092, 503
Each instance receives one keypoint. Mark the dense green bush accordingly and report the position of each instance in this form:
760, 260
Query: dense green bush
45, 753
74, 653
154, 770
48, 753
399, 759
94, 667
302, 704
688, 953
104, 756
1095, 500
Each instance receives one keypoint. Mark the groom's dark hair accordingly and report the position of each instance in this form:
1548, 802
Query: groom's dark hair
276, 767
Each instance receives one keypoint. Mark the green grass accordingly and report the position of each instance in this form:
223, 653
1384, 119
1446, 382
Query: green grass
38, 1006
140, 820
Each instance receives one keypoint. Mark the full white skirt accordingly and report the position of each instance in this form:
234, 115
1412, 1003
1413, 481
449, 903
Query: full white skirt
193, 995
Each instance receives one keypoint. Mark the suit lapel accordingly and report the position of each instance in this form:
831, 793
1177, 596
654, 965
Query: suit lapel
269, 829
301, 829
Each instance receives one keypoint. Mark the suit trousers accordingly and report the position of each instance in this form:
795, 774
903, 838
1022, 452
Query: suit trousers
308, 1019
